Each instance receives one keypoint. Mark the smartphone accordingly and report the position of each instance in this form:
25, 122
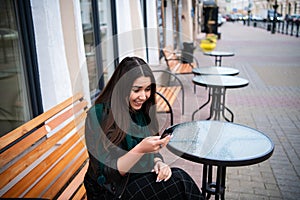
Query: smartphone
165, 134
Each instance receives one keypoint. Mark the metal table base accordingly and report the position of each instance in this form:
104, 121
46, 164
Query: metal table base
216, 95
216, 188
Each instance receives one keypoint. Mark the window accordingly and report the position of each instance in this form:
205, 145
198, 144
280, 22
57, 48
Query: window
17, 105
97, 31
89, 44
107, 47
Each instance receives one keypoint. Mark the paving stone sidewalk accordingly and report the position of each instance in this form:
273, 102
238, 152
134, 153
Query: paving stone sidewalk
270, 103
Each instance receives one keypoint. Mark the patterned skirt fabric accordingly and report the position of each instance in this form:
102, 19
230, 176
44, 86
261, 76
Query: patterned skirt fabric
144, 187
180, 186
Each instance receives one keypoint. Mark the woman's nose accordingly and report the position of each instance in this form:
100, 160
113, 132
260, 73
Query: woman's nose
142, 95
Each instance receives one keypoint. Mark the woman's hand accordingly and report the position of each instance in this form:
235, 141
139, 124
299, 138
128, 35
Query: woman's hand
151, 144
162, 170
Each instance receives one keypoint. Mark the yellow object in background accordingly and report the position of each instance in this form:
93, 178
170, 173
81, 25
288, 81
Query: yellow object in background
212, 37
209, 43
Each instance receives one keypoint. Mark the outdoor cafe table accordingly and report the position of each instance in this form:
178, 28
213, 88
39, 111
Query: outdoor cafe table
218, 55
212, 70
217, 92
215, 71
217, 144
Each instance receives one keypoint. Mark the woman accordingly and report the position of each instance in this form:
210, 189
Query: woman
123, 142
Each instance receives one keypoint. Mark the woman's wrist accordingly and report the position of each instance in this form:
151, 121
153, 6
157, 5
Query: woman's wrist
137, 149
156, 160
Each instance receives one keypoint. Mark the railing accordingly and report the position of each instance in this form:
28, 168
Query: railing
283, 27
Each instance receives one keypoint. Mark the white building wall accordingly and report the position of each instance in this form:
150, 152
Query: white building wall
131, 37
54, 73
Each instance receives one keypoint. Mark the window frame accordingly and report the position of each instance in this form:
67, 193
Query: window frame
29, 55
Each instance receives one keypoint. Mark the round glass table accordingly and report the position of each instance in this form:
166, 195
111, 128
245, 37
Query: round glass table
215, 71
218, 56
217, 91
218, 144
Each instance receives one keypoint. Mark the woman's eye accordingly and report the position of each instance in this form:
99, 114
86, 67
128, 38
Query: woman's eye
148, 89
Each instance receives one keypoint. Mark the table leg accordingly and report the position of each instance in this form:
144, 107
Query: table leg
216, 188
223, 182
215, 107
218, 59
194, 86
204, 180
218, 103
212, 104
220, 183
225, 108
232, 116
209, 180
216, 95
203, 105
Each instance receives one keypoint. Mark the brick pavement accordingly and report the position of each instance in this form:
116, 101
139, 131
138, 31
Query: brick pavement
270, 103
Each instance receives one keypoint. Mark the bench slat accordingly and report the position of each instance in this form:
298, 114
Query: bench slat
173, 95
170, 93
80, 194
25, 128
41, 168
55, 177
25, 143
37, 152
64, 177
76, 183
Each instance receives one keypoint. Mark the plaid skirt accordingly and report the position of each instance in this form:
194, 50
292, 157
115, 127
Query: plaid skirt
180, 186
144, 187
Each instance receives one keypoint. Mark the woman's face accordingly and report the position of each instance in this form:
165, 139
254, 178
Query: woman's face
140, 92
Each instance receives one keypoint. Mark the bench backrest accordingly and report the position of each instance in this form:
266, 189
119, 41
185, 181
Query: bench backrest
171, 58
175, 63
171, 94
46, 157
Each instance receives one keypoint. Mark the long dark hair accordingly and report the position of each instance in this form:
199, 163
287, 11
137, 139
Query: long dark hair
116, 96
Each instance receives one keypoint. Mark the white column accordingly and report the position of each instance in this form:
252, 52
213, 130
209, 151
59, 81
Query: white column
152, 32
187, 21
169, 31
74, 46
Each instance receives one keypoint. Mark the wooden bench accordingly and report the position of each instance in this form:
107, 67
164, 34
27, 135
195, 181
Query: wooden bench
167, 95
175, 64
46, 157
165, 99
